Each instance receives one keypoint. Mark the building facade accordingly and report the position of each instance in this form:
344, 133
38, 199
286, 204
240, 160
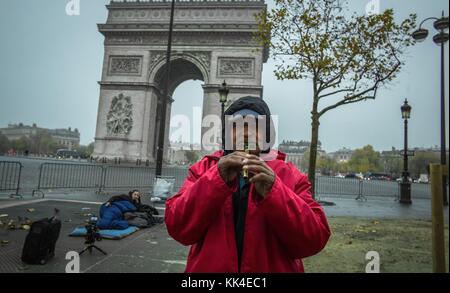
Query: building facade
66, 138
296, 150
342, 156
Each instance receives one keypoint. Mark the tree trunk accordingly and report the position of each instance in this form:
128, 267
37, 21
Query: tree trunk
313, 150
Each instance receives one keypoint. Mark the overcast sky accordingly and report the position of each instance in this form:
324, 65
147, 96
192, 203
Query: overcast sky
50, 64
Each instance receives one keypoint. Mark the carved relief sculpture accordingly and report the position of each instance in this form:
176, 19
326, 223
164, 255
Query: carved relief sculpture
119, 120
125, 65
239, 67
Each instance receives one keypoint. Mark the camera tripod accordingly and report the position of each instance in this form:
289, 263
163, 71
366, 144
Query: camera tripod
89, 248
91, 236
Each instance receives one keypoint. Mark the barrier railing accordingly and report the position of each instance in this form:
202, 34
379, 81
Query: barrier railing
127, 177
361, 189
326, 185
57, 176
10, 173
100, 177
69, 176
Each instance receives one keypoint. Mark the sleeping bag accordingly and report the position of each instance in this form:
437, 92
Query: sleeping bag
111, 217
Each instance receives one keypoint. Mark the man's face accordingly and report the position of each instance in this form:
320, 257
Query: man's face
247, 135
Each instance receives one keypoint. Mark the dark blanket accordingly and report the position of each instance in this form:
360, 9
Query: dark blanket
143, 217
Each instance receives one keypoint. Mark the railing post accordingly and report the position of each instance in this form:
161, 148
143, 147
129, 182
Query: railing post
103, 179
18, 180
437, 217
39, 182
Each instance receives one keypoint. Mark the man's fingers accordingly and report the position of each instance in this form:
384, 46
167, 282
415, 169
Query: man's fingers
254, 162
234, 162
238, 155
252, 157
260, 177
255, 169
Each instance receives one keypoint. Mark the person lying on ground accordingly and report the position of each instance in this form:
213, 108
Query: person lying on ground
122, 211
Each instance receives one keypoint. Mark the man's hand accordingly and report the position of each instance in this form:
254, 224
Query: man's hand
230, 165
263, 176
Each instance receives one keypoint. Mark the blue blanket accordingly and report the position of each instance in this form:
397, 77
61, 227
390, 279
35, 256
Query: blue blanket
111, 217
107, 234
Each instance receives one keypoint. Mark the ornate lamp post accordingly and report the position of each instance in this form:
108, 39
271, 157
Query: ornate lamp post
405, 185
440, 39
223, 96
165, 97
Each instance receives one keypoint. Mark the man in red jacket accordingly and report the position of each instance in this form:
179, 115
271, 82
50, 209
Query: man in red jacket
264, 222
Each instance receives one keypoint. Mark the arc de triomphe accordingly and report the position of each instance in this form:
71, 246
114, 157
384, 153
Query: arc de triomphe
212, 41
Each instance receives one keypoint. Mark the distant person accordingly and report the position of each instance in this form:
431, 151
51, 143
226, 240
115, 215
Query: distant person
133, 196
122, 211
247, 212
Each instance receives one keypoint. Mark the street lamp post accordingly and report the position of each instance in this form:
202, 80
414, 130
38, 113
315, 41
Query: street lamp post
405, 185
165, 98
441, 38
223, 96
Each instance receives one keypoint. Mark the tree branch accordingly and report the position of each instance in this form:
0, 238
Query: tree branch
361, 95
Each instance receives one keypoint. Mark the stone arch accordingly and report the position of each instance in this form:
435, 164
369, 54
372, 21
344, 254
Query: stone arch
213, 41
183, 67
199, 69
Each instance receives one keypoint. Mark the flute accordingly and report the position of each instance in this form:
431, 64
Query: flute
245, 172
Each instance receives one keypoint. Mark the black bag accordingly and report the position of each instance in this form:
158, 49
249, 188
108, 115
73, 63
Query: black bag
40, 243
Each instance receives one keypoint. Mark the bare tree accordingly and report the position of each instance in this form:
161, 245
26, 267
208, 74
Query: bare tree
348, 57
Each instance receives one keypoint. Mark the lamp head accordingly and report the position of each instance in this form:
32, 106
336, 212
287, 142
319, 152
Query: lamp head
406, 110
420, 35
223, 92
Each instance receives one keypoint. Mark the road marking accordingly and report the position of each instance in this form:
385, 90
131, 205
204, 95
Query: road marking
178, 262
27, 202
77, 201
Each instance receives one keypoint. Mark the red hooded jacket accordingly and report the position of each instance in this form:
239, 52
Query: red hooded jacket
281, 229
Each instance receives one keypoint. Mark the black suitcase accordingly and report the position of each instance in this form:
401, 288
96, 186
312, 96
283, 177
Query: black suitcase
40, 242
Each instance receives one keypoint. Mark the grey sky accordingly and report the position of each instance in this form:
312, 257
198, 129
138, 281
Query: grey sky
50, 64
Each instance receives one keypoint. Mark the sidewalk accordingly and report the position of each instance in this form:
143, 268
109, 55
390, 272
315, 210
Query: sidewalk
378, 207
150, 250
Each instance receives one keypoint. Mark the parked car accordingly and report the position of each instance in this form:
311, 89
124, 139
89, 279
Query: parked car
377, 176
400, 179
423, 179
339, 175
67, 154
351, 176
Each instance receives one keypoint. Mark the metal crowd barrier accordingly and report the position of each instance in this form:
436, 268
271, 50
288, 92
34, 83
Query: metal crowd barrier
10, 173
361, 189
57, 176
69, 176
117, 177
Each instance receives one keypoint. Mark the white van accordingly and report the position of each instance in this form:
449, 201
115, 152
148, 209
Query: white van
423, 178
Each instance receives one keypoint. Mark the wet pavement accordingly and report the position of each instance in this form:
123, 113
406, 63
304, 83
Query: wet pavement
377, 207
147, 250
152, 249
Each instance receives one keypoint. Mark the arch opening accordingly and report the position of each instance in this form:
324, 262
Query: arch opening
185, 85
